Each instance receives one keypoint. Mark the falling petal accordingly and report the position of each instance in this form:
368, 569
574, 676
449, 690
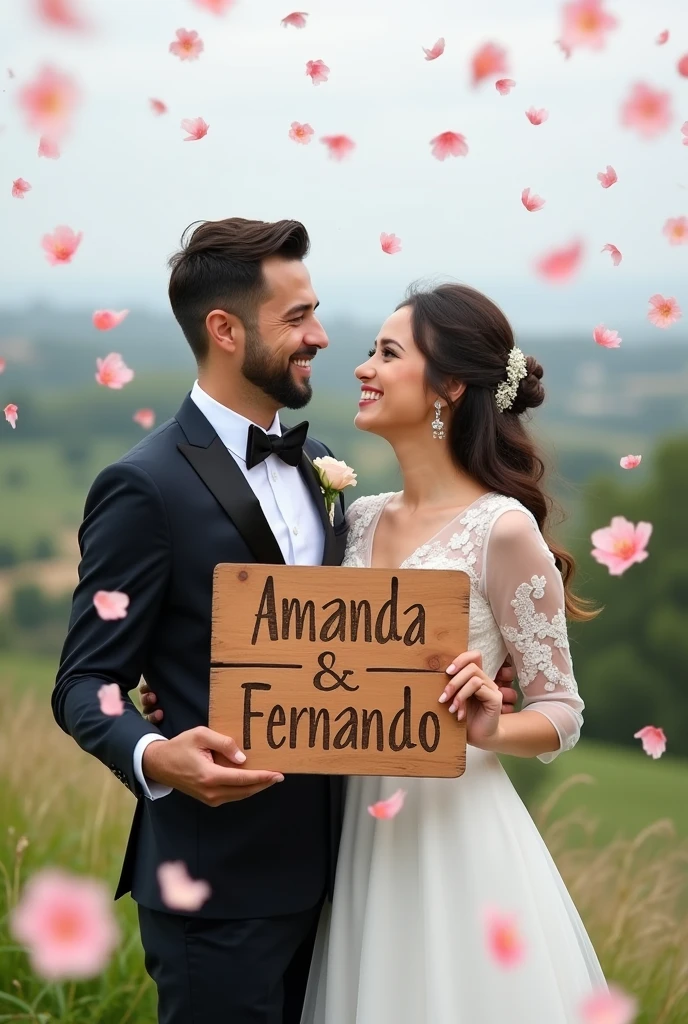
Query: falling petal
297, 19
49, 102
187, 46
504, 86
505, 944
196, 128
111, 604
145, 418
20, 187
607, 178
676, 230
67, 923
585, 23
435, 51
663, 312
11, 413
559, 265
615, 253
158, 107
218, 7
448, 144
179, 891
653, 739
647, 110
684, 133
389, 808
112, 372
605, 337
564, 47
318, 71
532, 203
682, 66
301, 133
621, 544
110, 699
630, 461
106, 319
3, 364
47, 147
537, 116
61, 245
487, 62
61, 14
390, 243
662, 37
340, 146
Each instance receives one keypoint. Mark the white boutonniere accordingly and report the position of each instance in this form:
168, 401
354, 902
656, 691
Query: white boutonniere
334, 477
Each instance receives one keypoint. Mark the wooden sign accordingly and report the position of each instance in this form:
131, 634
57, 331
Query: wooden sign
338, 671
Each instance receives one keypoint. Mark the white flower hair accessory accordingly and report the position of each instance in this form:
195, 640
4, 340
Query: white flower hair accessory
516, 370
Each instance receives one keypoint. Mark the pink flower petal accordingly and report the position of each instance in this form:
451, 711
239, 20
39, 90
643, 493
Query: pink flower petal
532, 203
145, 418
47, 147
297, 19
301, 133
49, 102
61, 14
106, 319
11, 413
615, 253
61, 245
178, 890
607, 178
390, 243
110, 698
218, 7
663, 312
187, 46
449, 144
158, 107
318, 71
682, 66
195, 127
489, 61
112, 372
560, 265
3, 364
605, 337
609, 1006
684, 133
653, 739
435, 51
340, 146
19, 187
389, 808
67, 924
111, 604
505, 945
504, 86
663, 37
630, 461
564, 47
536, 116
676, 230
647, 110
585, 23
621, 544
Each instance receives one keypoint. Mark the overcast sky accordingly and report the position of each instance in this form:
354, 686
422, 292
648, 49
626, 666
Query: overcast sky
131, 185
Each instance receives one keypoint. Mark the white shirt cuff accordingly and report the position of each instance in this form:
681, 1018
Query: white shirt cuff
153, 790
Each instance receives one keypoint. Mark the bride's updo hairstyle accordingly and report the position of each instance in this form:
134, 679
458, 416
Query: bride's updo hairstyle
465, 337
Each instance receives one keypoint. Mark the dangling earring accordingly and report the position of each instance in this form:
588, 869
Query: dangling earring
437, 424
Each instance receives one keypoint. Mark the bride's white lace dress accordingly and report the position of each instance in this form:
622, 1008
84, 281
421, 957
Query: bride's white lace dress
403, 942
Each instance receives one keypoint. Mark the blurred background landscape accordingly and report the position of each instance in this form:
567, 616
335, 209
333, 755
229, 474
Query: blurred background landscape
615, 820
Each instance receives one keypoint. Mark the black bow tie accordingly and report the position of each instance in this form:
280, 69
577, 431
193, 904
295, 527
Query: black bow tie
289, 446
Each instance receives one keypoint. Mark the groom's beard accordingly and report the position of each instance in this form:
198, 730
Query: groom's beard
276, 381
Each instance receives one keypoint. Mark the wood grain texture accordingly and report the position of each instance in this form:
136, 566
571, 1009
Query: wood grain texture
328, 670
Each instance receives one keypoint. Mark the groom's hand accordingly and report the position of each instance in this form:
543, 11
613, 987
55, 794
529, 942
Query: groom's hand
188, 762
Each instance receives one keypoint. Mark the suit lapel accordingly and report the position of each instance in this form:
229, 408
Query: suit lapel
219, 472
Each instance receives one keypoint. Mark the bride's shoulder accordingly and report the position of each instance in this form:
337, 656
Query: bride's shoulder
507, 518
364, 509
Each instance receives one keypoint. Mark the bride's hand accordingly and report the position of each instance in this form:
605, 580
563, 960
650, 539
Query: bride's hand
473, 695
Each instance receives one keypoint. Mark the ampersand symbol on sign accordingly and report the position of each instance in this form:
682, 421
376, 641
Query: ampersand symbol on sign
328, 670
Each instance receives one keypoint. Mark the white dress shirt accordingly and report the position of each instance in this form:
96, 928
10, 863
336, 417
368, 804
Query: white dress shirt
286, 503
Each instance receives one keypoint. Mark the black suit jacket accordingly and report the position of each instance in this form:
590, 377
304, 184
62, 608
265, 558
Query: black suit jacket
156, 524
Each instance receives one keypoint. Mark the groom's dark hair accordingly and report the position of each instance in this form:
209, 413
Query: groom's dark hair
219, 267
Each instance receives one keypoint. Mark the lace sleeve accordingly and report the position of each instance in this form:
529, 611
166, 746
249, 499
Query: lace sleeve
526, 594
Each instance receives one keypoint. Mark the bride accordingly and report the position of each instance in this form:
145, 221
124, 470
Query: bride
404, 941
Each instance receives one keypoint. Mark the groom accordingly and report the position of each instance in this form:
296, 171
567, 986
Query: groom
220, 482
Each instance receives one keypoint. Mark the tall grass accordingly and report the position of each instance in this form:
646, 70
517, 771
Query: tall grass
60, 807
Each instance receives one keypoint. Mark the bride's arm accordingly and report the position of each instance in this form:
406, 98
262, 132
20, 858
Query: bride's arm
526, 594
